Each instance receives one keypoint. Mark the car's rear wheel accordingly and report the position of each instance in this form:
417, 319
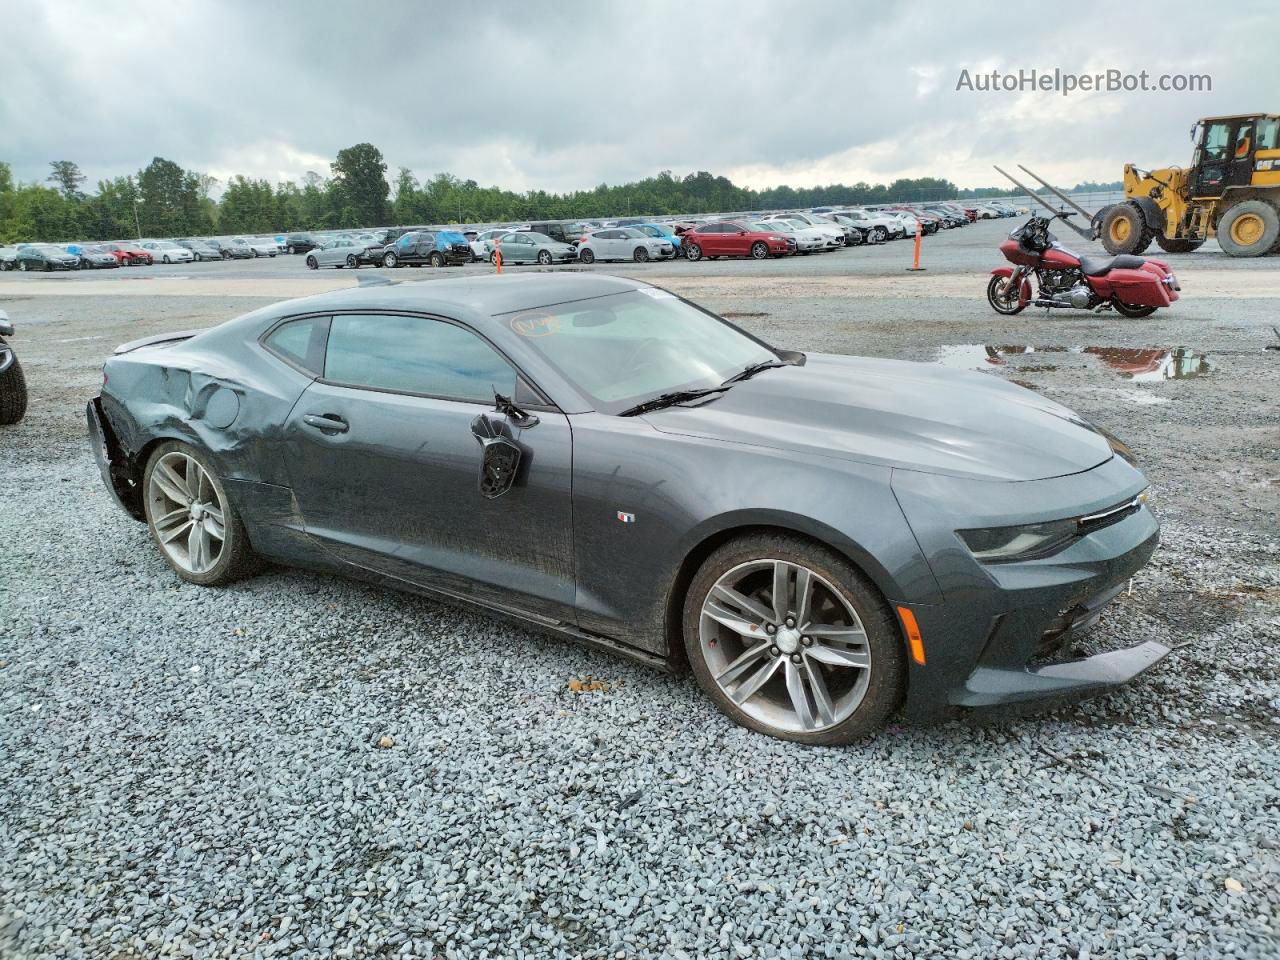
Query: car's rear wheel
788, 638
194, 524
13, 394
22, 265
694, 252
390, 261
544, 257
759, 250
587, 256
312, 264
353, 262
436, 259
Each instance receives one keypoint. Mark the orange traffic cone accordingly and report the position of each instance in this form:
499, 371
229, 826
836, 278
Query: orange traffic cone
915, 264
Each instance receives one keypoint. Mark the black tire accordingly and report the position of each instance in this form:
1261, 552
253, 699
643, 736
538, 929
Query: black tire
390, 261
13, 394
353, 261
1001, 304
587, 256
312, 264
289, 250
1176, 245
238, 559
544, 257
1249, 229
693, 252
22, 266
436, 259
880, 234
759, 250
1133, 312
226, 255
884, 637
493, 257
1125, 230
640, 255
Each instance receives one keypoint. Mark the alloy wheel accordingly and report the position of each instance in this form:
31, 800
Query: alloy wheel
188, 512
785, 646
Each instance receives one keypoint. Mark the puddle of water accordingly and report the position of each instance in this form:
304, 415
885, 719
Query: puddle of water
1142, 365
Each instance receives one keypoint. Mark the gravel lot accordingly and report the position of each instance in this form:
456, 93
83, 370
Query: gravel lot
302, 766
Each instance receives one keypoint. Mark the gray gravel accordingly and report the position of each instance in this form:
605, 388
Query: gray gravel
301, 766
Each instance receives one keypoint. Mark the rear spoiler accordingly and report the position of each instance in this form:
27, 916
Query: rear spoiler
157, 340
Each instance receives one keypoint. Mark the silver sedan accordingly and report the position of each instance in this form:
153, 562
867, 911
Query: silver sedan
336, 252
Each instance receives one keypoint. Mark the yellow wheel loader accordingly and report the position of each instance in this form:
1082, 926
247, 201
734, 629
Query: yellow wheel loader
1231, 191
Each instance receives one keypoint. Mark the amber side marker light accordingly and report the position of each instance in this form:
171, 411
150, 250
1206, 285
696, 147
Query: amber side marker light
914, 642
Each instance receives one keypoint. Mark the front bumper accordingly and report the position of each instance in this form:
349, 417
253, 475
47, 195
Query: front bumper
1011, 632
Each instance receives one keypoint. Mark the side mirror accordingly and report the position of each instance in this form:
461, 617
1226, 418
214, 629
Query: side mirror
500, 456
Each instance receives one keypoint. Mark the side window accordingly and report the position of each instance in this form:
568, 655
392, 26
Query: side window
301, 342
1215, 141
415, 355
1268, 133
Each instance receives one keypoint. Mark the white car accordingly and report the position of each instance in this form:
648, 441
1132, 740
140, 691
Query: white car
623, 243
261, 246
166, 251
808, 240
877, 226
833, 233
483, 244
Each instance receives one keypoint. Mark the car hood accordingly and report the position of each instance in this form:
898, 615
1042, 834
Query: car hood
912, 416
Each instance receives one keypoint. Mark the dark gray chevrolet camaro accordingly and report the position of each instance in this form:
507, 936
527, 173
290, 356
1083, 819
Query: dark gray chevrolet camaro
821, 538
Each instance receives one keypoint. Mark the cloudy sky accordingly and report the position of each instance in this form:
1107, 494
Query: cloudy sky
564, 95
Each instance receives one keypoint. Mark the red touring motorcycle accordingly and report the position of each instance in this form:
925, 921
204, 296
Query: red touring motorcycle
1133, 286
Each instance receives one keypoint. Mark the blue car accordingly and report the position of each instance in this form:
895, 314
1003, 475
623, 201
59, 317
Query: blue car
660, 231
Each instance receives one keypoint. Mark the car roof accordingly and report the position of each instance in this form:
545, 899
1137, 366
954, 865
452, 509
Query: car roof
479, 296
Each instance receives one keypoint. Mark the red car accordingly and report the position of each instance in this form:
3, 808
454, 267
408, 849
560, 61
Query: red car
129, 254
731, 238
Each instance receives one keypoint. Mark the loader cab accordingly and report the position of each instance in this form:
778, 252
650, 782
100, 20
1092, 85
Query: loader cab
1232, 151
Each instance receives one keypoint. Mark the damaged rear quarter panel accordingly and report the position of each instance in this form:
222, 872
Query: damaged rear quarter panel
219, 391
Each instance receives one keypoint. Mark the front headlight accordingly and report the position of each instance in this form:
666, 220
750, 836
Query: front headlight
1023, 542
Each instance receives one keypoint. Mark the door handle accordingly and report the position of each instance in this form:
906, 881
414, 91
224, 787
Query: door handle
329, 422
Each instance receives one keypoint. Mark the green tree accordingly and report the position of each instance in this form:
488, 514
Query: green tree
360, 186
66, 174
170, 204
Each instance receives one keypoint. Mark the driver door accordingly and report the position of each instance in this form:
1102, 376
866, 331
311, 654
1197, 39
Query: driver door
384, 454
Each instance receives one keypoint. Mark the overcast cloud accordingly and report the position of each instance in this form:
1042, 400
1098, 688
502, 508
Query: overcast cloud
565, 95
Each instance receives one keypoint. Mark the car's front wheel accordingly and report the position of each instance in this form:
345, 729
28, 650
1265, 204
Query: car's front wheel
587, 255
312, 264
390, 261
759, 250
790, 639
194, 524
693, 252
353, 262
436, 259
544, 257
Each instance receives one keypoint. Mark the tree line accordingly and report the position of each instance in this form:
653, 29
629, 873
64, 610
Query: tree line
164, 200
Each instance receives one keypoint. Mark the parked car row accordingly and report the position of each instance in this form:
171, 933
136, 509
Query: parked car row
756, 235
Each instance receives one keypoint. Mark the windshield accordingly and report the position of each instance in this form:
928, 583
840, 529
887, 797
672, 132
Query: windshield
765, 227
625, 348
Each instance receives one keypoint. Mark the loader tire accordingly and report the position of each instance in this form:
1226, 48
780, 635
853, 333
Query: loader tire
1125, 230
1249, 229
1175, 245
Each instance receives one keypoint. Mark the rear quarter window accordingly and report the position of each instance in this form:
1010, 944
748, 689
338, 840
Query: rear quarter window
301, 343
